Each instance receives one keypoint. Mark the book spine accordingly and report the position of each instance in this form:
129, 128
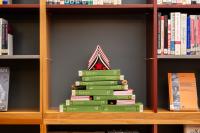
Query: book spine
159, 1
50, 2
99, 73
162, 34
4, 47
82, 108
10, 40
196, 34
188, 36
62, 2
102, 78
159, 34
4, 88
179, 1
174, 1
123, 108
86, 103
192, 32
169, 37
183, 34
198, 47
9, 1
172, 45
113, 97
5, 2
91, 92
125, 102
96, 83
80, 98
193, 2
67, 2
113, 87
127, 92
165, 34
177, 34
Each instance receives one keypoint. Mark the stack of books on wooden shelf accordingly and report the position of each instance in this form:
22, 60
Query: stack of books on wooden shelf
178, 2
6, 38
101, 89
84, 2
178, 34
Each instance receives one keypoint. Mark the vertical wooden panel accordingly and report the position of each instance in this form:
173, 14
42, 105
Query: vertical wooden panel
43, 128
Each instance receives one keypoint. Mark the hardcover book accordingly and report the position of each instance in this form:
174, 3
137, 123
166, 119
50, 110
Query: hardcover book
4, 88
182, 92
119, 82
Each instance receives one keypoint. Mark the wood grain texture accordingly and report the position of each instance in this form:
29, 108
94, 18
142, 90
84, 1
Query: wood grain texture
55, 117
22, 117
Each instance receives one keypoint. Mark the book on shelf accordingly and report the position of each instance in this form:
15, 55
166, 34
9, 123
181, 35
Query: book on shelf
99, 87
178, 34
179, 2
4, 87
191, 128
84, 2
182, 92
114, 97
96, 83
6, 38
99, 72
106, 87
4, 2
103, 78
86, 103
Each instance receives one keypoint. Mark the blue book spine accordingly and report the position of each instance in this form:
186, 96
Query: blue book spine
5, 1
67, 2
188, 36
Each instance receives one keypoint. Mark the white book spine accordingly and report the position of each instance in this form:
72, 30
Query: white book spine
184, 2
198, 1
162, 32
169, 36
179, 1
172, 44
183, 34
50, 1
119, 2
189, 2
159, 1
95, 2
62, 2
174, 2
177, 33
10, 44
115, 2
100, 2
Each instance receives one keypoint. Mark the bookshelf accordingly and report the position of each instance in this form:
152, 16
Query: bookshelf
51, 45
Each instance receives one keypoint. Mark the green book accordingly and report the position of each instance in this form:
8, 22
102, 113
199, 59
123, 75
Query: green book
71, 108
138, 107
99, 72
91, 92
119, 82
86, 103
102, 78
113, 97
113, 87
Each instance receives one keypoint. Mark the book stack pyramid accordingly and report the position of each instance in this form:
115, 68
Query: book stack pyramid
101, 89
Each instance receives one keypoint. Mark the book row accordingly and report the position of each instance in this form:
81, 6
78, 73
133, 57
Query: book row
178, 34
178, 2
6, 38
84, 2
5, 2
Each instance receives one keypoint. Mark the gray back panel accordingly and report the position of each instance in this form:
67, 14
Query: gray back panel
74, 38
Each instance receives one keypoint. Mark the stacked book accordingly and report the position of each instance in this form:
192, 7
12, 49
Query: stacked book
5, 2
178, 34
84, 2
6, 38
178, 2
101, 91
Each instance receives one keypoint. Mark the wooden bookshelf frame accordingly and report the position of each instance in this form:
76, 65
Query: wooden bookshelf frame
46, 116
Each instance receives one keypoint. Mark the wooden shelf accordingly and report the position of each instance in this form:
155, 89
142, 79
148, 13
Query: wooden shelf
169, 117
129, 6
195, 6
178, 56
55, 117
20, 117
19, 57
